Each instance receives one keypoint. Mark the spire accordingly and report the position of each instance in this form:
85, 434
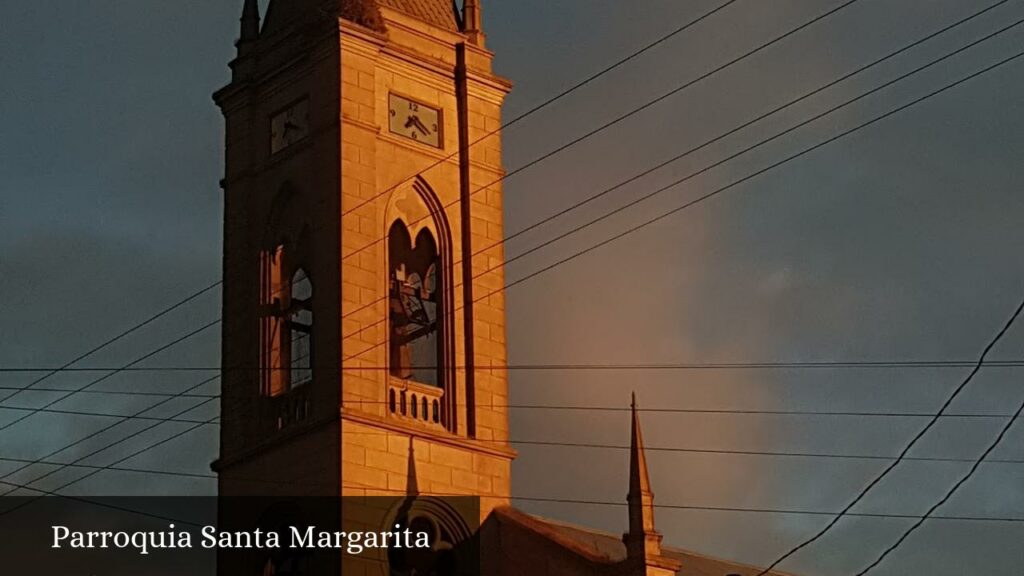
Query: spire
472, 21
641, 498
250, 22
643, 542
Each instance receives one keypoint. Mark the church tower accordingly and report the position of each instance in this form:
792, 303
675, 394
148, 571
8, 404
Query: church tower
364, 321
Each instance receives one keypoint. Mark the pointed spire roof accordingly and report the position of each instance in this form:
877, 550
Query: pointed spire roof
639, 479
643, 542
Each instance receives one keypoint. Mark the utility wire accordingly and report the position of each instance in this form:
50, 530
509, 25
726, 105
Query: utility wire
949, 494
517, 119
138, 360
784, 454
705, 144
546, 103
121, 417
781, 365
574, 445
106, 393
736, 60
571, 408
66, 366
56, 491
722, 189
372, 489
906, 450
962, 80
620, 119
637, 110
99, 503
110, 468
120, 421
769, 510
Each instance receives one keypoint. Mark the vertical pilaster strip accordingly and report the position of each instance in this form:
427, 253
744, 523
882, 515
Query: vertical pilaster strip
462, 96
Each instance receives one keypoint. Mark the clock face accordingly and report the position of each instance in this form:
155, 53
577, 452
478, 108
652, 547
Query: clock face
415, 120
289, 126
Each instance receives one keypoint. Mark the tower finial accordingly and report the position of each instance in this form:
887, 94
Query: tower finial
472, 22
250, 22
643, 542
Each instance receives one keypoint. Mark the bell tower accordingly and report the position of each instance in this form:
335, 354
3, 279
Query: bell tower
364, 321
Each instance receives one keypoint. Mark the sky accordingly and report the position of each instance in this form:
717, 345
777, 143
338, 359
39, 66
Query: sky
901, 241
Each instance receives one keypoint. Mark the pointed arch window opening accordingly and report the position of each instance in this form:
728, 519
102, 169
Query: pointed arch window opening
415, 296
287, 326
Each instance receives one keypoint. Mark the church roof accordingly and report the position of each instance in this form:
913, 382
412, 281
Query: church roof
440, 13
604, 548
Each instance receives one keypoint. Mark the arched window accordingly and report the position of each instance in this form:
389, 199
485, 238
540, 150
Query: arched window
273, 378
287, 327
299, 323
414, 306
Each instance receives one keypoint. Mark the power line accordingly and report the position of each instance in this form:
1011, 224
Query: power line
962, 80
778, 38
722, 189
138, 360
906, 450
637, 110
774, 137
118, 337
623, 117
579, 85
707, 143
574, 408
110, 468
547, 103
373, 489
121, 417
780, 365
99, 450
949, 494
781, 511
107, 393
94, 472
755, 174
199, 423
99, 503
774, 454
700, 78
119, 422
1005, 60
769, 510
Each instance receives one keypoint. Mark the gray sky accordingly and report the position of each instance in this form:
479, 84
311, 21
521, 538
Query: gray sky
901, 242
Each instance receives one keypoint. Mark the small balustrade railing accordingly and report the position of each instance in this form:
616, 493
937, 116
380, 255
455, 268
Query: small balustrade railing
416, 402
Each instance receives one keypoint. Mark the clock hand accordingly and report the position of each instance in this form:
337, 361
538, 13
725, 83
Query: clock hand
422, 127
